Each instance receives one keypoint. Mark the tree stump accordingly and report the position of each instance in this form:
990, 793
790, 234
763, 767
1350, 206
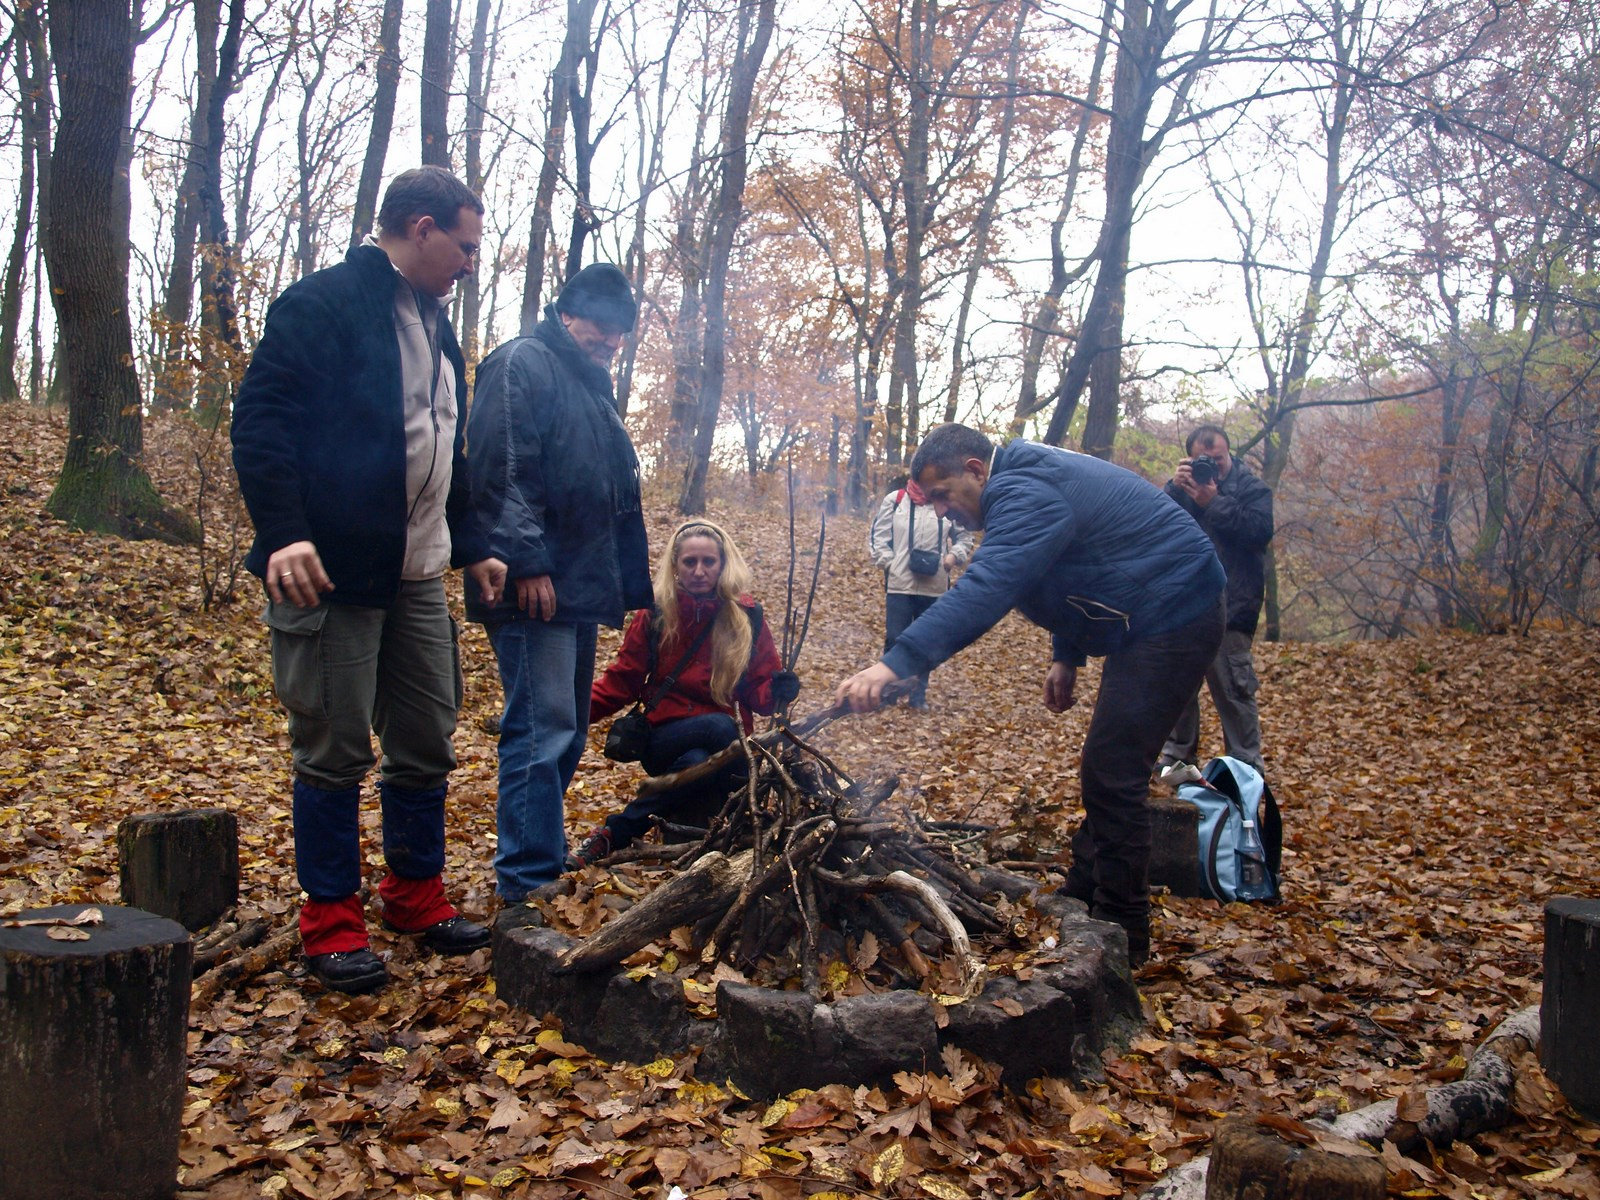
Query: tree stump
183, 865
1570, 1007
92, 1057
1251, 1162
1175, 846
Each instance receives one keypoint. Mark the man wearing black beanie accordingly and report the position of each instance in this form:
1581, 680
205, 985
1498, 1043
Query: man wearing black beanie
555, 489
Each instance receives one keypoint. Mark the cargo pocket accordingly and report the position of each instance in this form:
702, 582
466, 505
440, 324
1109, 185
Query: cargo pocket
299, 673
455, 654
1242, 672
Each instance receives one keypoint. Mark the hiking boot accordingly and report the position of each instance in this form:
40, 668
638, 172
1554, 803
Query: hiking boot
352, 971
593, 848
453, 935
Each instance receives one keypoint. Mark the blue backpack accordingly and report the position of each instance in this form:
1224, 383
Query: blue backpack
1232, 792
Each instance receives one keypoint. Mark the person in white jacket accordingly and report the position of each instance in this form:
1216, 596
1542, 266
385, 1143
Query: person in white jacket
906, 523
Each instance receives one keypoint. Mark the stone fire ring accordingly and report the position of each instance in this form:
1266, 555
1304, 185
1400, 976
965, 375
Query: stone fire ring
770, 1042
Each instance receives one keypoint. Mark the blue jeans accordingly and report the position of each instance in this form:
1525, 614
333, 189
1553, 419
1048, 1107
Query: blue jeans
674, 746
546, 669
900, 610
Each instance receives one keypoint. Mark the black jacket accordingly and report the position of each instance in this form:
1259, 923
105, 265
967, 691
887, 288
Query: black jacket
319, 440
555, 481
1239, 523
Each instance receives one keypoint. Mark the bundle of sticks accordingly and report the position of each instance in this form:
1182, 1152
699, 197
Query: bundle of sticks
800, 848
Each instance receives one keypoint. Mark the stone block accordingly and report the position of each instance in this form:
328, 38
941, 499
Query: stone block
871, 1037
606, 1012
1039, 1040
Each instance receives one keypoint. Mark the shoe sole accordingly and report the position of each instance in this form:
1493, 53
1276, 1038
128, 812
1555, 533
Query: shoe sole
357, 987
435, 947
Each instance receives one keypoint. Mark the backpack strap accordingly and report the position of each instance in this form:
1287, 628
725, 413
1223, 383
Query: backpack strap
664, 686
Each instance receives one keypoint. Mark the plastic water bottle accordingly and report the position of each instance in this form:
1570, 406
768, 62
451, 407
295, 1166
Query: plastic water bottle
1255, 881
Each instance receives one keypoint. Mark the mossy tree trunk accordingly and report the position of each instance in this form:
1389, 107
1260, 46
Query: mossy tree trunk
102, 486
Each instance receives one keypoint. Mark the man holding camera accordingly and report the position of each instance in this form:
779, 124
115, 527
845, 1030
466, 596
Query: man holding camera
1235, 509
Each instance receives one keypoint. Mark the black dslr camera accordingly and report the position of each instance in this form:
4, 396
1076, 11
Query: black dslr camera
1203, 469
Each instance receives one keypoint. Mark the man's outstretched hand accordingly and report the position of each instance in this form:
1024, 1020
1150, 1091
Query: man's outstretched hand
863, 691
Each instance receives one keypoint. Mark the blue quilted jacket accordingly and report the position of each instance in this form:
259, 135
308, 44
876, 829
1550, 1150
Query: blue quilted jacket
1084, 548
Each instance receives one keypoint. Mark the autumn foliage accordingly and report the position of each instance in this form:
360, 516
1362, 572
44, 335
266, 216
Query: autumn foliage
1436, 792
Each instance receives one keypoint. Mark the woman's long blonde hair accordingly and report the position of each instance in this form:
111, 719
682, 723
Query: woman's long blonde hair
731, 636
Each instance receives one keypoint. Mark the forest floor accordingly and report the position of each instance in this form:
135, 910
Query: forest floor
1436, 792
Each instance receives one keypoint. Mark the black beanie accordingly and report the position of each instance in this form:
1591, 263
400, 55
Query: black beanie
599, 292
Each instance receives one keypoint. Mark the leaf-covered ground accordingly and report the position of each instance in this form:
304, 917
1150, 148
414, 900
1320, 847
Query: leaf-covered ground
1436, 791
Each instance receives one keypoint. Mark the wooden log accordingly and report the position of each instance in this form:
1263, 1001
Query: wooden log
92, 1046
707, 887
246, 965
1249, 1161
1175, 846
223, 948
183, 865
1569, 1011
1479, 1100
973, 972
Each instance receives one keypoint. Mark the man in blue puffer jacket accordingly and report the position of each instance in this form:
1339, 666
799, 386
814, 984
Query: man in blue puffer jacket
1110, 566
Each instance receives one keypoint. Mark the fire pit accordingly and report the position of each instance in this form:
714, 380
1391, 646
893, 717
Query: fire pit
813, 936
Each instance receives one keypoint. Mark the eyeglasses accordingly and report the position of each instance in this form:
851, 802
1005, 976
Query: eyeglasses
469, 250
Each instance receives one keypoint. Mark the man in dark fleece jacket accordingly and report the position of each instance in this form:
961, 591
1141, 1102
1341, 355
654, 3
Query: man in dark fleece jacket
555, 492
348, 448
1110, 566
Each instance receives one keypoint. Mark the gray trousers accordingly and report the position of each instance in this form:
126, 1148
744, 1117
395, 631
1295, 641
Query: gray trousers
346, 672
1231, 679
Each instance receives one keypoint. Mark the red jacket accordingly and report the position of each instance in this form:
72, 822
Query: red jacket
629, 678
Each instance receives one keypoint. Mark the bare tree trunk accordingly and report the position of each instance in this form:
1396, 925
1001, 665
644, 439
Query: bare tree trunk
102, 485
41, 112
647, 180
900, 410
757, 19
981, 227
1344, 35
436, 63
688, 348
1046, 321
243, 206
305, 138
222, 351
479, 74
562, 85
11, 297
1146, 28
387, 80
174, 383
580, 104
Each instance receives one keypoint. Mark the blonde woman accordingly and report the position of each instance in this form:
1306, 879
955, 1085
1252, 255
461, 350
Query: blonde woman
704, 654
